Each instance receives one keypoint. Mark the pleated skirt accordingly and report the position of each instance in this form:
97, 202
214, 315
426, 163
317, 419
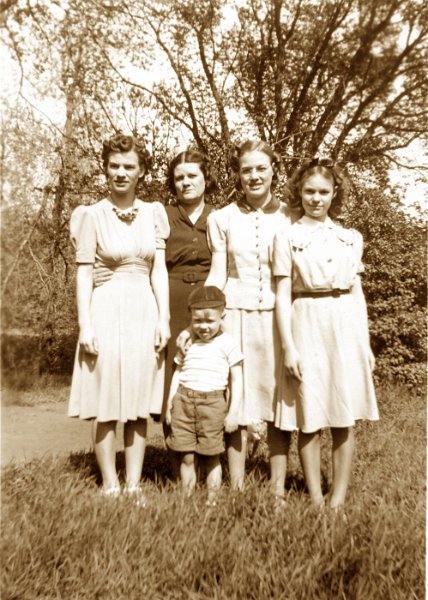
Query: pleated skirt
125, 381
257, 335
337, 387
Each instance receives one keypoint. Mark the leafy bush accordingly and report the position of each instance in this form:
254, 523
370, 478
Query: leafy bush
394, 284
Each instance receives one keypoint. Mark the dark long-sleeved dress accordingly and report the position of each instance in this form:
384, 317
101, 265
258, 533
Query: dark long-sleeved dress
188, 260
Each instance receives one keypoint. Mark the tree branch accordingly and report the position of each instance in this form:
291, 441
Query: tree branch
194, 127
334, 22
24, 243
6, 4
211, 82
404, 165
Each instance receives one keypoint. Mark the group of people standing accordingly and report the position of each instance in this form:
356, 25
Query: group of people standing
293, 313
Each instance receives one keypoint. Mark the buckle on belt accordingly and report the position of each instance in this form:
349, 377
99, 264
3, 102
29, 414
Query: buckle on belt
190, 277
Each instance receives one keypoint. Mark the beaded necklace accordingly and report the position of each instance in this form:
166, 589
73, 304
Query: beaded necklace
126, 215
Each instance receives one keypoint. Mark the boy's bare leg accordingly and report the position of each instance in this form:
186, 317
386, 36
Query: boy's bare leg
174, 457
214, 474
188, 472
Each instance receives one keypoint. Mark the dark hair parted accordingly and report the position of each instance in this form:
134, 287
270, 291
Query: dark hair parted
255, 146
317, 166
126, 143
192, 156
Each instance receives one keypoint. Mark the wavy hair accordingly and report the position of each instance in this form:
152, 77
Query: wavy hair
192, 156
126, 143
255, 146
317, 166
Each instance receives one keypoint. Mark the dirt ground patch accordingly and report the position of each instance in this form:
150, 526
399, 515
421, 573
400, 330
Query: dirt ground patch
29, 432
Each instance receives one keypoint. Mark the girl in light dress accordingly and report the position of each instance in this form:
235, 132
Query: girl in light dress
322, 320
122, 300
241, 236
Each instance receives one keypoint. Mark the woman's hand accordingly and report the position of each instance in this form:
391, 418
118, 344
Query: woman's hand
292, 364
102, 275
168, 415
162, 335
231, 422
372, 360
184, 340
87, 341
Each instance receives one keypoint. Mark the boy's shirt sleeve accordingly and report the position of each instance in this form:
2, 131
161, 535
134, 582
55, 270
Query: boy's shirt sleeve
233, 353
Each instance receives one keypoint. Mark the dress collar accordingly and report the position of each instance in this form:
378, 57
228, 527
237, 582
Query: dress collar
314, 224
206, 210
271, 207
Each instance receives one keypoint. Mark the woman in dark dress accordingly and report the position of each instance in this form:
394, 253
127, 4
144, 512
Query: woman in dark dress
188, 258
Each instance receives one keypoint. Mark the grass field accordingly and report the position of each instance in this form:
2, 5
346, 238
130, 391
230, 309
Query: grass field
61, 540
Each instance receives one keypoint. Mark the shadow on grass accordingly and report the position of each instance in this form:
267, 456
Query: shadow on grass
156, 465
157, 468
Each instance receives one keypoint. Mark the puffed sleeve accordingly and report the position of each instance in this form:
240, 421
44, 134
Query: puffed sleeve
161, 225
83, 234
358, 247
281, 259
216, 232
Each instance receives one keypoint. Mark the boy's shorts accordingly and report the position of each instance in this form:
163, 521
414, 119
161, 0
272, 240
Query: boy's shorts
197, 421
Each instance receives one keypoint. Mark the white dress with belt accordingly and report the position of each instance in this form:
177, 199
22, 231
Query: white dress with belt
330, 333
125, 381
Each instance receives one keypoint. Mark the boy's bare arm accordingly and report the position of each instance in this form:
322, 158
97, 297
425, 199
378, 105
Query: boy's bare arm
175, 381
231, 421
184, 340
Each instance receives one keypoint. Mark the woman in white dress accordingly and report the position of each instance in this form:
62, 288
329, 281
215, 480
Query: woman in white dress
322, 319
122, 300
241, 236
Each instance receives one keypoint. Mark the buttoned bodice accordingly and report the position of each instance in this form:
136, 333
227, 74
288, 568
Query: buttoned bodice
246, 236
186, 248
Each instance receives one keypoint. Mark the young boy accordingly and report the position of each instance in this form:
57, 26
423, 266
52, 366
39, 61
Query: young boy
197, 409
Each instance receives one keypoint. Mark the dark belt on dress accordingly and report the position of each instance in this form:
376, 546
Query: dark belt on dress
335, 293
188, 276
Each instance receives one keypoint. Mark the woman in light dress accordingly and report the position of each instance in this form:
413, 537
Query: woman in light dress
322, 319
122, 300
240, 236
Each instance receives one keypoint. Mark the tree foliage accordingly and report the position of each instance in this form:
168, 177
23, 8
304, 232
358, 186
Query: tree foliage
344, 77
394, 283
338, 77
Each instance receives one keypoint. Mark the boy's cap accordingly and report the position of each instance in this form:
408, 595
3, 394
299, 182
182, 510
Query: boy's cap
206, 297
